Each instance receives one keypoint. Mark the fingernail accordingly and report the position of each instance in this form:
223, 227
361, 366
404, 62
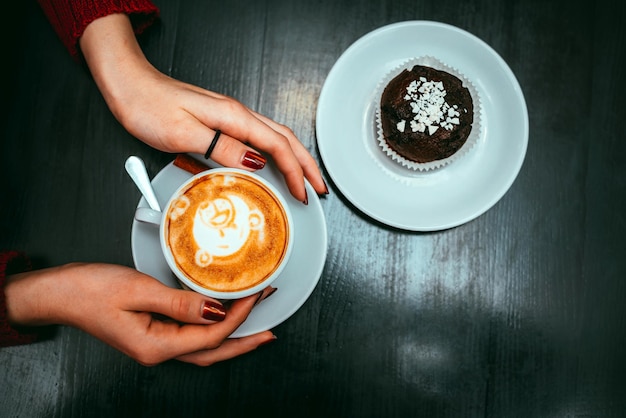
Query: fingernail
306, 198
325, 187
264, 294
213, 311
258, 298
253, 160
267, 342
270, 293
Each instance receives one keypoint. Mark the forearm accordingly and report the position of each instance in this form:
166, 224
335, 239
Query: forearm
69, 18
31, 295
114, 58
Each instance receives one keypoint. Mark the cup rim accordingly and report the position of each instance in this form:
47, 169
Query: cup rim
238, 294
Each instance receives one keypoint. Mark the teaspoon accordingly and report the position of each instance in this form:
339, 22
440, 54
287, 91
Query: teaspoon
137, 171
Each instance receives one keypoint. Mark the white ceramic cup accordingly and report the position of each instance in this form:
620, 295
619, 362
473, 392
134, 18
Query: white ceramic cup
244, 226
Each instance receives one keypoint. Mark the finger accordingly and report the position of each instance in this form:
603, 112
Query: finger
194, 136
229, 349
230, 152
279, 148
236, 121
181, 305
238, 312
306, 160
174, 340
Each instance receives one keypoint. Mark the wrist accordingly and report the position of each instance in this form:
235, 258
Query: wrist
114, 57
39, 297
22, 300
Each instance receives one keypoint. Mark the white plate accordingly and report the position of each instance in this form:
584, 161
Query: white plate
381, 188
295, 283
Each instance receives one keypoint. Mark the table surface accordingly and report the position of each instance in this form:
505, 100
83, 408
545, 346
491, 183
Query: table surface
518, 312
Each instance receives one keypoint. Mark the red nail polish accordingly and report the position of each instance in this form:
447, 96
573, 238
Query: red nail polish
259, 297
253, 160
264, 294
271, 292
325, 188
213, 311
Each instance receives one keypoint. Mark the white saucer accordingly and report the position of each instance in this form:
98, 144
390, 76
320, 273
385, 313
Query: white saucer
296, 282
388, 192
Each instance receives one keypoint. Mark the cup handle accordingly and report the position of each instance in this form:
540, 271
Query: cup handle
148, 215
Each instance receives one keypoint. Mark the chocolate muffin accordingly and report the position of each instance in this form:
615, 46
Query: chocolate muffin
426, 114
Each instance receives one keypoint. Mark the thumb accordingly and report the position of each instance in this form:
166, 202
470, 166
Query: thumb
184, 306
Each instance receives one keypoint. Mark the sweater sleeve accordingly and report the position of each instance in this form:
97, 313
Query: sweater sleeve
69, 18
11, 262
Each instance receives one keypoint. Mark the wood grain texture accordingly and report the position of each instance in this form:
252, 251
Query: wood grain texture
518, 313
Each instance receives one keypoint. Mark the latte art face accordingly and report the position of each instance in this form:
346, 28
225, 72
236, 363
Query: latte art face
227, 232
222, 226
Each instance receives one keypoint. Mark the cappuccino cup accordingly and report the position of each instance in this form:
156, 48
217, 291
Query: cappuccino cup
225, 233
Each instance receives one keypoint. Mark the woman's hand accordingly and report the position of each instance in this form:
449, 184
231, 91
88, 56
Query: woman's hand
173, 116
133, 313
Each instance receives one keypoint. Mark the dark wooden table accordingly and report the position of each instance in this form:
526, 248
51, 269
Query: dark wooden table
517, 313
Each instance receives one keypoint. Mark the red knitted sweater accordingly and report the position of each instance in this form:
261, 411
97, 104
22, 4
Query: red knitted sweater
69, 18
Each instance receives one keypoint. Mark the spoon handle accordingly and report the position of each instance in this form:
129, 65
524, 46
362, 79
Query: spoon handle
137, 171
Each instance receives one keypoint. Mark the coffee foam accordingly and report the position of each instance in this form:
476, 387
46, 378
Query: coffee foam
227, 232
